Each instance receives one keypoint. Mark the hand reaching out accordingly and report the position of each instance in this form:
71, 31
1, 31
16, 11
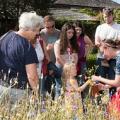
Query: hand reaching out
50, 46
95, 78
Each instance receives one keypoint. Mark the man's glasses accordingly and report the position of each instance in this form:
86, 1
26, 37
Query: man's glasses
50, 27
108, 10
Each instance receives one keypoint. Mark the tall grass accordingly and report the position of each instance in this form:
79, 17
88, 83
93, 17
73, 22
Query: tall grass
32, 107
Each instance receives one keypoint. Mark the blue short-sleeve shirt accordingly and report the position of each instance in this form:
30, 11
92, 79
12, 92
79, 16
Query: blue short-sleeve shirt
15, 53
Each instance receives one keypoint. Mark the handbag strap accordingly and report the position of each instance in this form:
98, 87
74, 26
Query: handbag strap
41, 43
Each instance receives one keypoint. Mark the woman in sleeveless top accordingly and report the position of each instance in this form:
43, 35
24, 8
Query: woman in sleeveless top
85, 44
65, 49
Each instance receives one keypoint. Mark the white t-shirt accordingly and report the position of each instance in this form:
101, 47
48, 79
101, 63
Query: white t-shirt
106, 31
40, 55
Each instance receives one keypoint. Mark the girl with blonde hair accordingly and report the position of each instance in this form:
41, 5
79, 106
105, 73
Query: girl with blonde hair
73, 101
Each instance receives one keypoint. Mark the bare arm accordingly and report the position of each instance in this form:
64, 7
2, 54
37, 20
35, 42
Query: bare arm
45, 51
115, 83
49, 46
88, 45
75, 58
118, 36
88, 41
75, 86
102, 86
31, 70
81, 88
57, 54
97, 41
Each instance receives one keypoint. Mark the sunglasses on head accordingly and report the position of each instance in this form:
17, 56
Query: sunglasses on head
111, 46
50, 27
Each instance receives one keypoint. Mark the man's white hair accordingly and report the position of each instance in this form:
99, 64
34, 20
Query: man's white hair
30, 20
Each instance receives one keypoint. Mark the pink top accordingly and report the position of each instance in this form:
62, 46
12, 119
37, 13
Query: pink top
72, 99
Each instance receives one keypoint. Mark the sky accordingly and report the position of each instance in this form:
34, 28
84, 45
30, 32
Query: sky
118, 1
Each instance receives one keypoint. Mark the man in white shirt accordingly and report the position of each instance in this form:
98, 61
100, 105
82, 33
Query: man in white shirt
107, 30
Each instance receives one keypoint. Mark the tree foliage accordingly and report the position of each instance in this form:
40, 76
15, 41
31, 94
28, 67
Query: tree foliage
41, 6
10, 11
13, 8
89, 11
117, 15
98, 13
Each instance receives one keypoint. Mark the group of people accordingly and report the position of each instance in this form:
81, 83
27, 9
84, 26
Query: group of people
23, 53
107, 38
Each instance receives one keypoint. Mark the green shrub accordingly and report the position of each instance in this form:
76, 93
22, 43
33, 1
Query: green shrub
91, 60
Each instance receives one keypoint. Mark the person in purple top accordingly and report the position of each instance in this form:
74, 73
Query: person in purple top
85, 44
